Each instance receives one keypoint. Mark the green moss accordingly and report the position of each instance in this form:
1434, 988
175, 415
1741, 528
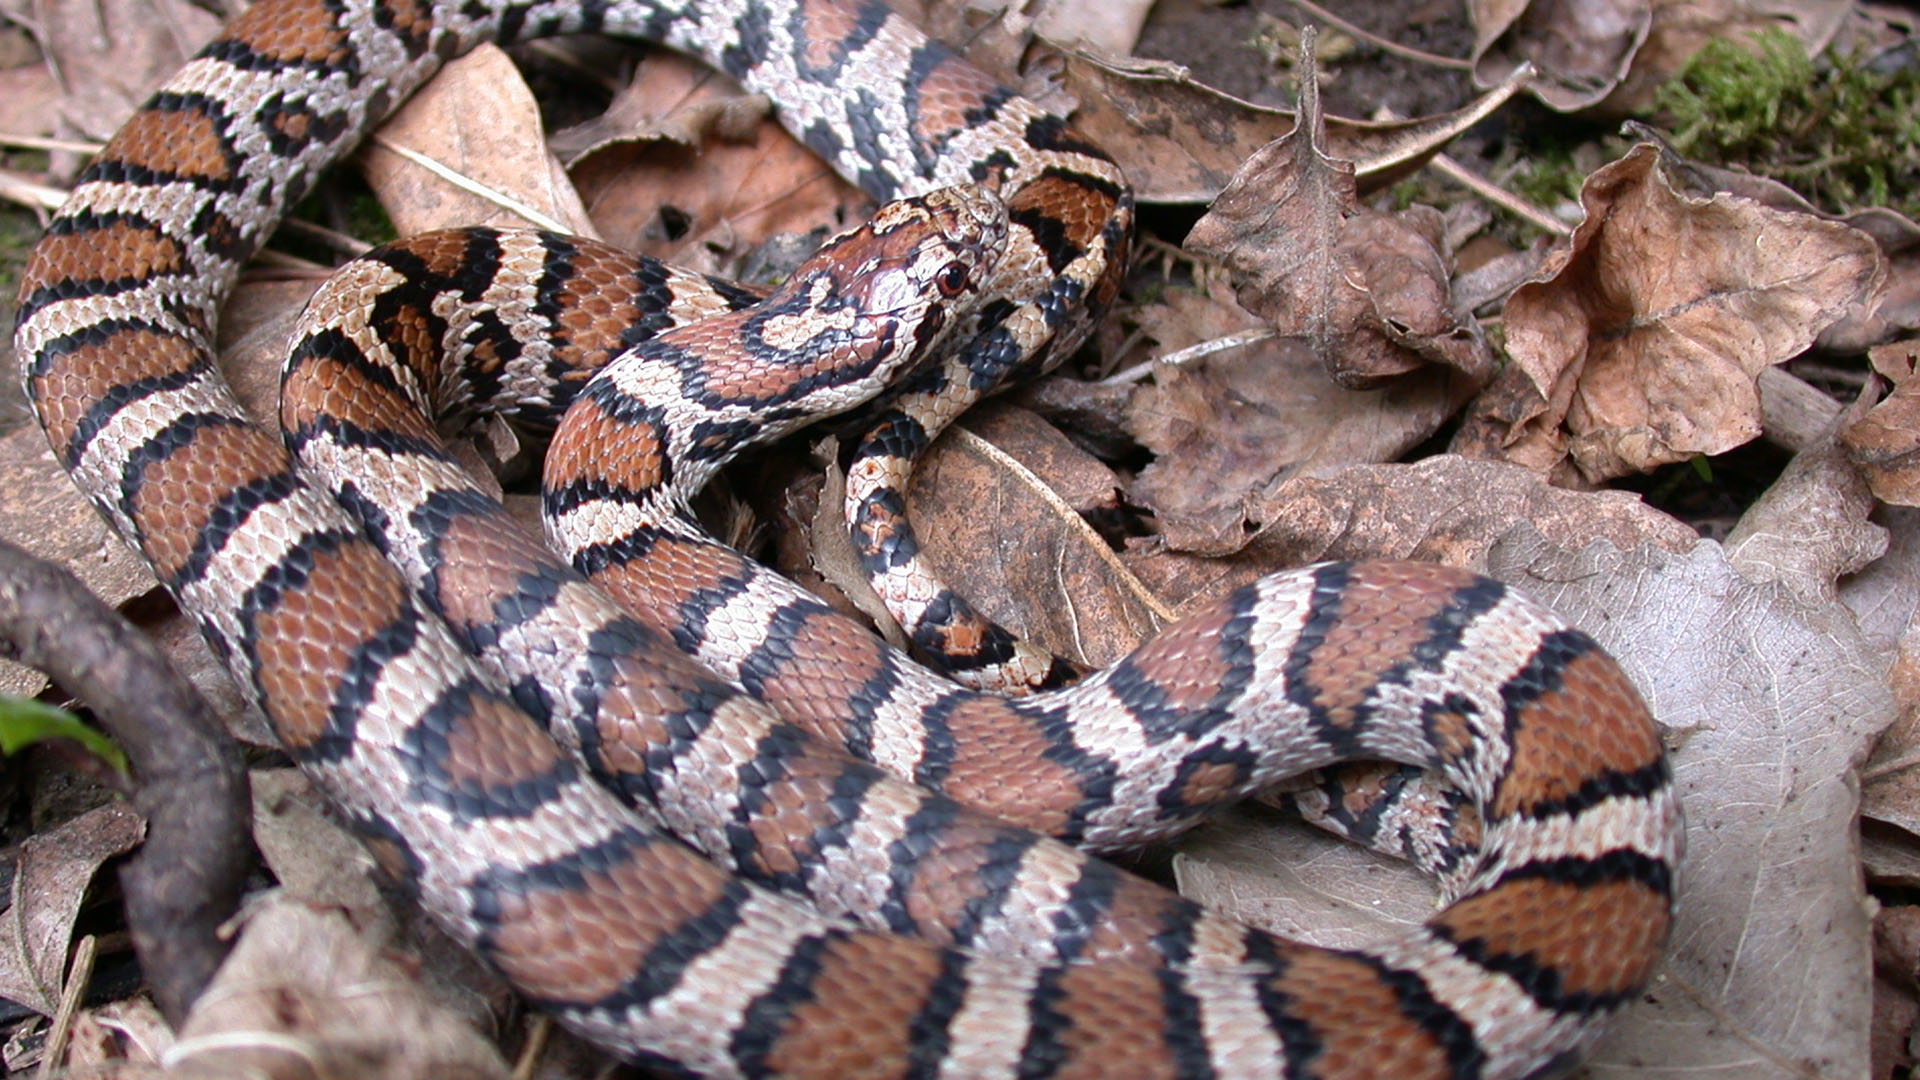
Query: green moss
1839, 132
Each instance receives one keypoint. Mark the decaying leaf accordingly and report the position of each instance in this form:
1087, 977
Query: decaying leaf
479, 119
1442, 509
1181, 141
1367, 290
1809, 528
998, 507
1223, 429
1884, 441
109, 56
1681, 28
305, 976
1639, 344
56, 867
1582, 48
701, 205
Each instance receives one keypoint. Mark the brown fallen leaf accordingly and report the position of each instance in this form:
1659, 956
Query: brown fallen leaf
1182, 141
29, 100
304, 978
1224, 428
1885, 599
1888, 311
1884, 441
56, 867
1582, 48
1809, 528
703, 205
1681, 28
1639, 343
477, 118
109, 56
1367, 290
1445, 509
998, 504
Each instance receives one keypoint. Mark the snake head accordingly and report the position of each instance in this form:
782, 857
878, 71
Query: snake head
917, 267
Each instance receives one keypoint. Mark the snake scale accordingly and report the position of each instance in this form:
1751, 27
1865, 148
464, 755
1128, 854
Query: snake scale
871, 894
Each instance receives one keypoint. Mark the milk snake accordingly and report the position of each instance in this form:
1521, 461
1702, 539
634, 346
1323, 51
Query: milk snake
932, 940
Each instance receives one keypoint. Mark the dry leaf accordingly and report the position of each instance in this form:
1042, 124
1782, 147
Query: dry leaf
1640, 343
1181, 141
1884, 441
997, 507
478, 118
1582, 48
1889, 310
1682, 28
1885, 599
1111, 27
29, 100
1443, 509
1223, 429
1368, 290
1809, 527
305, 976
56, 867
110, 55
699, 206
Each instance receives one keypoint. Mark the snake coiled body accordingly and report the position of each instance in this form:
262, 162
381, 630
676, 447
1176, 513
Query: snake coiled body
933, 940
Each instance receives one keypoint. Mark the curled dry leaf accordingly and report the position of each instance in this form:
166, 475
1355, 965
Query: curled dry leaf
1884, 441
56, 867
1582, 48
1640, 342
1809, 527
1224, 428
1887, 311
1367, 290
478, 118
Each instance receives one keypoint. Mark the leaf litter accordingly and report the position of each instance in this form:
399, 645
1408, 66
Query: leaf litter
1387, 402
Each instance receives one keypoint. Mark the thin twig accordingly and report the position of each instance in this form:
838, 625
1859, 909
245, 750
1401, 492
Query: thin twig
470, 185
1182, 357
41, 142
346, 245
79, 975
1506, 200
1071, 518
1379, 42
30, 193
186, 878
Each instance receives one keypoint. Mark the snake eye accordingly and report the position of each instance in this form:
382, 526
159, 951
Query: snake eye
951, 279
